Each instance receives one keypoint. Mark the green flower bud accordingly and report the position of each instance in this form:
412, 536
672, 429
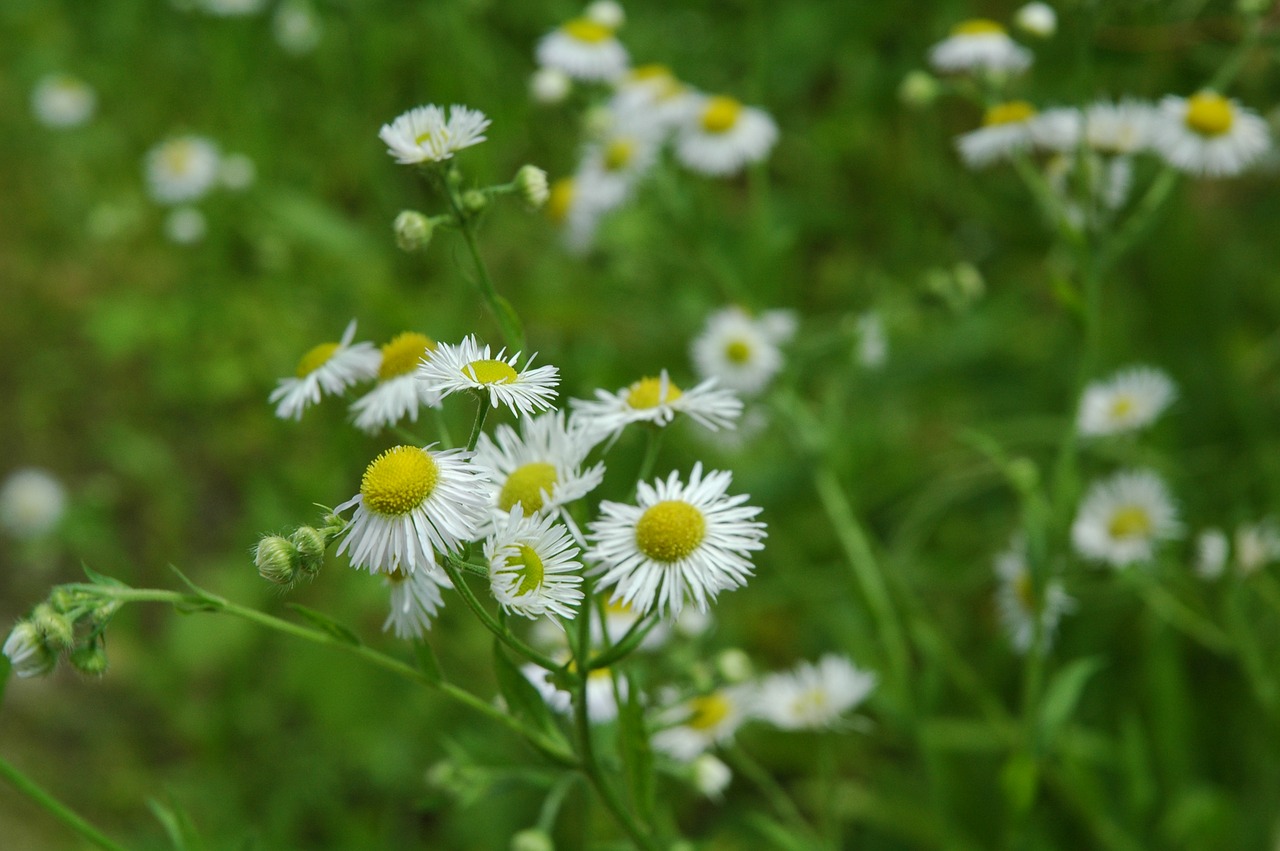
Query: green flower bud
474, 201
918, 89
413, 230
63, 599
531, 184
532, 839
735, 665
310, 544
277, 560
54, 627
90, 660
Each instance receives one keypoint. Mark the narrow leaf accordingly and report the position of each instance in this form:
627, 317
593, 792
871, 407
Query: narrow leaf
326, 624
637, 755
177, 826
427, 661
6, 668
98, 579
1063, 694
523, 699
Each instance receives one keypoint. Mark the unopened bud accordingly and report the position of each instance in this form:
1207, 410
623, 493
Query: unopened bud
27, 651
473, 200
413, 230
549, 85
1040, 20
532, 839
90, 660
310, 544
606, 13
735, 665
62, 599
531, 183
277, 560
918, 89
54, 627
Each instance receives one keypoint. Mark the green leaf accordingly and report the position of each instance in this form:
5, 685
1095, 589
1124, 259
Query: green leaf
637, 755
327, 624
6, 668
523, 699
177, 826
98, 579
427, 661
777, 833
1061, 697
1020, 778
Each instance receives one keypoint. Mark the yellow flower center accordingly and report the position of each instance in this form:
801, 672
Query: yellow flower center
525, 486
670, 531
647, 393
1132, 521
582, 29
720, 114
708, 711
399, 480
812, 701
659, 78
618, 608
179, 156
1122, 406
560, 199
1023, 591
402, 354
652, 71
618, 154
1013, 112
527, 565
316, 358
977, 26
738, 352
490, 372
1209, 114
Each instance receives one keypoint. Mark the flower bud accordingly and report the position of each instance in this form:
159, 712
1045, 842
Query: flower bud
310, 544
90, 660
918, 89
27, 651
1039, 19
606, 13
531, 183
711, 776
532, 839
549, 86
735, 665
54, 627
474, 201
413, 230
277, 560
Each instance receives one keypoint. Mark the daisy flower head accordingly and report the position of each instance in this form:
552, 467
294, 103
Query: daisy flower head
1016, 601
423, 134
415, 599
737, 350
679, 542
585, 49
1131, 399
814, 696
1122, 519
1209, 135
413, 505
533, 566
538, 468
1058, 129
1119, 128
469, 366
651, 95
698, 724
1006, 130
61, 100
182, 168
657, 400
979, 45
722, 136
614, 164
330, 368
602, 703
398, 393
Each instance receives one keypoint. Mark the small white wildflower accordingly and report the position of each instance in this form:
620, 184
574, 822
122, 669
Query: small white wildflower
415, 599
657, 400
549, 86
1017, 604
1037, 19
32, 502
450, 369
296, 27
28, 652
737, 350
585, 50
1212, 549
606, 13
533, 566
327, 368
814, 696
979, 45
182, 168
722, 136
1005, 131
1129, 400
62, 101
1122, 519
398, 393
540, 468
1256, 546
185, 225
1209, 135
698, 724
424, 135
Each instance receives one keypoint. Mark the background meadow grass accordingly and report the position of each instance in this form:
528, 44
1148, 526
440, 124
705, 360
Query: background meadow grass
138, 372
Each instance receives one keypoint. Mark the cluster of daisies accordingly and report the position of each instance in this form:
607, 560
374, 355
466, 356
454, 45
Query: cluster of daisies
639, 111
181, 171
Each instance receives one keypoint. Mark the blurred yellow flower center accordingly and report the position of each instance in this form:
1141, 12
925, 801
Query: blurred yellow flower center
528, 566
1122, 406
737, 352
618, 154
670, 530
402, 354
1023, 591
720, 114
179, 156
1012, 112
1209, 114
526, 485
708, 711
652, 71
399, 480
316, 358
618, 608
422, 138
490, 372
977, 26
560, 200
1132, 521
582, 29
808, 702
647, 393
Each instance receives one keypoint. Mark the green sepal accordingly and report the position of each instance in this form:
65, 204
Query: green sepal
98, 579
327, 624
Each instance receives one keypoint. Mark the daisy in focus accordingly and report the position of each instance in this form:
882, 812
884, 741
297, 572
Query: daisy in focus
533, 566
721, 136
979, 45
584, 49
398, 393
1127, 401
657, 400
680, 542
1006, 130
814, 696
329, 368
415, 599
182, 168
60, 101
539, 468
1016, 601
698, 724
450, 369
413, 505
423, 134
1209, 135
1122, 519
740, 351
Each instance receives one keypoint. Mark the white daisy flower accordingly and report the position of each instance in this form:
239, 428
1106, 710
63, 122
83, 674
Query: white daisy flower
657, 401
1122, 519
27, 652
651, 96
602, 703
182, 168
61, 100
979, 45
1037, 19
185, 225
1005, 131
737, 350
398, 393
415, 599
1016, 602
533, 567
585, 50
1256, 546
328, 367
413, 505
296, 27
614, 164
1212, 549
1209, 135
681, 541
1120, 128
1058, 129
722, 136
539, 468
700, 723
469, 366
32, 501
1132, 399
814, 696
424, 135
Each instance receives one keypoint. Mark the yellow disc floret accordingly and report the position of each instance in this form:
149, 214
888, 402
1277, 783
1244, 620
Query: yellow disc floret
402, 354
708, 711
526, 486
1132, 521
738, 351
670, 531
490, 371
1122, 407
720, 114
977, 26
1209, 114
582, 29
316, 358
560, 200
618, 154
399, 480
179, 155
647, 393
1013, 112
528, 565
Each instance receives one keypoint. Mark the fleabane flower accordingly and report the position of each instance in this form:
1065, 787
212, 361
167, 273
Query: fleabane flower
423, 134
61, 100
679, 543
1209, 135
657, 400
469, 366
327, 368
1120, 128
539, 468
1016, 601
721, 136
652, 96
814, 695
614, 164
398, 393
700, 723
533, 566
584, 49
414, 504
602, 703
979, 45
415, 599
1122, 519
182, 168
738, 350
1127, 401
1006, 130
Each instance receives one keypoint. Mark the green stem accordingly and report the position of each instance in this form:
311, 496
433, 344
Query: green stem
483, 403
650, 460
1140, 219
56, 808
491, 623
629, 642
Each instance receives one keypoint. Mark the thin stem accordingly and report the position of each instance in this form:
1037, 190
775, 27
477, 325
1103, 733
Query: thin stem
56, 808
442, 428
1140, 219
502, 633
630, 641
650, 459
483, 404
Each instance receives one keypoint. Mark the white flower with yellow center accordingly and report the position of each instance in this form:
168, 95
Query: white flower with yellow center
182, 169
423, 134
469, 366
414, 504
698, 724
979, 45
533, 566
415, 599
602, 703
1127, 401
1121, 520
657, 400
1209, 135
814, 696
614, 164
60, 100
679, 543
737, 350
398, 393
32, 502
1017, 604
652, 96
585, 50
540, 468
1119, 128
329, 368
721, 136
1005, 131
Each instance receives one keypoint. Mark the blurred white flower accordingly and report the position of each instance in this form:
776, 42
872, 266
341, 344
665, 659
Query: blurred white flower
1037, 19
182, 168
979, 45
1209, 135
549, 86
722, 136
1129, 400
711, 776
1256, 546
1006, 130
185, 225
737, 349
814, 695
1017, 604
1212, 549
694, 726
297, 27
585, 50
329, 368
61, 100
32, 501
1122, 519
